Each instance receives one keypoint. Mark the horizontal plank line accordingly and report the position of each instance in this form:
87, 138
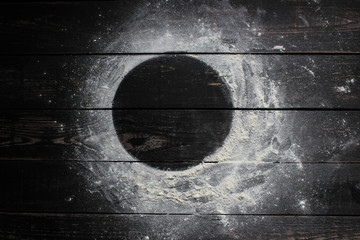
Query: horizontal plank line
52, 1
183, 108
307, 162
167, 162
171, 214
179, 53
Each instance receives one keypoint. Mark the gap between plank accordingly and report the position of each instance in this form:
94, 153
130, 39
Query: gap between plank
209, 162
177, 53
182, 108
170, 214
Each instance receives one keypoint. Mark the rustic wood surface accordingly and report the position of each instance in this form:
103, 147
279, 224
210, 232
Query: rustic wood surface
311, 81
239, 26
52, 186
69, 149
111, 226
318, 136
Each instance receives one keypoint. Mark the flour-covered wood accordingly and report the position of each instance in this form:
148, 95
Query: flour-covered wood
223, 188
291, 81
143, 226
254, 136
161, 26
179, 119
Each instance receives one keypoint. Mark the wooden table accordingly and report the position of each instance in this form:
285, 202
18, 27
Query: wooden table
180, 120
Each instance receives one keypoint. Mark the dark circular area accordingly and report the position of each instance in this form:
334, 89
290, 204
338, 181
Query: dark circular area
171, 112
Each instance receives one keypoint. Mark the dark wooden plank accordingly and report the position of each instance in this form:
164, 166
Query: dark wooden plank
292, 136
56, 186
95, 226
205, 26
226, 188
306, 136
292, 81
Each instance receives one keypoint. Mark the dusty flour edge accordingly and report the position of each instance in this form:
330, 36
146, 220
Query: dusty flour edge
243, 130
148, 189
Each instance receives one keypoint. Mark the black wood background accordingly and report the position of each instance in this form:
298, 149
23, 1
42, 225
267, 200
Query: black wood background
309, 49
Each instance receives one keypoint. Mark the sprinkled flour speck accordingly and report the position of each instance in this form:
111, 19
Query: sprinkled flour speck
236, 177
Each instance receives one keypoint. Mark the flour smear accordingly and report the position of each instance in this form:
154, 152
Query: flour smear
237, 178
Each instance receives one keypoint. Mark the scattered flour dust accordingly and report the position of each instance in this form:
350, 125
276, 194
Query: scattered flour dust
346, 88
240, 181
280, 48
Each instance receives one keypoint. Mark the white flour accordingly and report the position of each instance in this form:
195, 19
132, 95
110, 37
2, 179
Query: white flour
241, 181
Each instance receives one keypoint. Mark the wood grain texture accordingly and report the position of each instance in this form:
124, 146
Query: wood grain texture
321, 81
289, 168
313, 136
94, 226
204, 26
45, 186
